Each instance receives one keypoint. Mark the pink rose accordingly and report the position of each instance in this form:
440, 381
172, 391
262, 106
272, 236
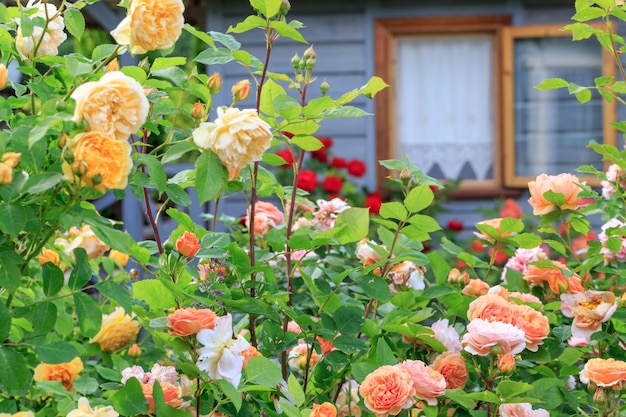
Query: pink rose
521, 410
482, 335
446, 335
429, 384
589, 310
266, 217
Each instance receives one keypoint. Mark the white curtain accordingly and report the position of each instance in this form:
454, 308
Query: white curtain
444, 90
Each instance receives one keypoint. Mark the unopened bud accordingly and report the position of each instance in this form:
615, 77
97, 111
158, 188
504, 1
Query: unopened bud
80, 168
113, 66
134, 274
96, 179
241, 90
68, 156
405, 174
309, 53
285, 6
456, 277
324, 87
599, 396
506, 363
11, 159
4, 76
63, 140
214, 83
197, 112
295, 62
134, 351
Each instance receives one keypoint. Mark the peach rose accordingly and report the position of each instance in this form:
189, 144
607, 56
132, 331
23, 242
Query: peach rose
534, 324
186, 321
521, 410
589, 310
19, 414
566, 184
453, 368
248, 354
428, 383
11, 159
496, 224
172, 394
115, 105
40, 43
475, 287
325, 409
348, 400
482, 335
117, 331
188, 244
119, 257
506, 362
525, 297
604, 373
4, 76
491, 307
6, 174
387, 390
237, 137
65, 372
48, 255
85, 410
134, 351
84, 238
99, 161
266, 217
150, 25
298, 358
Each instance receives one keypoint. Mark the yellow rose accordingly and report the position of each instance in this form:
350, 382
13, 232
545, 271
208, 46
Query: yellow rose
120, 257
19, 414
150, 25
6, 174
99, 161
11, 159
115, 105
237, 137
84, 410
48, 255
65, 372
52, 38
117, 331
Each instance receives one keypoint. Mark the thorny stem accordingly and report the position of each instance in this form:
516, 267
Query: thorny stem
253, 178
146, 197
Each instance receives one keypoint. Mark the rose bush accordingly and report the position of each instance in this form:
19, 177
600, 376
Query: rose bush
311, 305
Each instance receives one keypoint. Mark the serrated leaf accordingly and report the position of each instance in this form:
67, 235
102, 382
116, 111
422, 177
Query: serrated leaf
89, 314
263, 371
210, 176
56, 352
552, 83
74, 22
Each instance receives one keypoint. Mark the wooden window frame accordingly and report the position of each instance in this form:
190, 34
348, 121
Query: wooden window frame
386, 32
609, 110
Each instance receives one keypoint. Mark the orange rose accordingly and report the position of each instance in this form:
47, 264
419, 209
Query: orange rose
491, 307
115, 105
453, 368
134, 351
117, 331
604, 373
6, 174
119, 257
65, 372
19, 414
188, 244
506, 363
150, 25
534, 324
172, 394
566, 184
11, 159
48, 255
475, 287
387, 390
98, 161
4, 76
251, 352
186, 321
237, 137
496, 224
323, 410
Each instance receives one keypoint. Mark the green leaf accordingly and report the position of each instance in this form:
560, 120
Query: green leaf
353, 224
261, 370
528, 240
583, 96
81, 273
117, 293
588, 13
308, 143
56, 352
12, 218
167, 62
211, 175
393, 210
165, 410
26, 25
74, 22
203, 36
374, 287
460, 397
508, 389
129, 400
552, 83
154, 293
177, 150
287, 31
155, 171
439, 267
5, 322
268, 8
10, 275
15, 376
120, 240
419, 198
348, 320
88, 312
295, 389
218, 56
39, 183
384, 354
44, 319
361, 370
558, 199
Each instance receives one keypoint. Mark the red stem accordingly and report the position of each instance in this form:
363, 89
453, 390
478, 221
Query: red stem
155, 228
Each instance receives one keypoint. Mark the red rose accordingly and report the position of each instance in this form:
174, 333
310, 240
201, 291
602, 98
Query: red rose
455, 225
338, 163
322, 153
433, 188
373, 202
288, 134
332, 184
287, 156
357, 168
307, 180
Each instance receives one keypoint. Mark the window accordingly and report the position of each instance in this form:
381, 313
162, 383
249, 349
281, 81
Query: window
462, 103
